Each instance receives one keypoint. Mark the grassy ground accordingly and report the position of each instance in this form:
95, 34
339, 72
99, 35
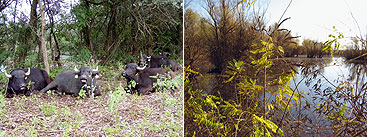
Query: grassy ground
115, 113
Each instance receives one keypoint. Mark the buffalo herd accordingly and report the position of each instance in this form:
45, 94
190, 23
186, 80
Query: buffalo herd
35, 80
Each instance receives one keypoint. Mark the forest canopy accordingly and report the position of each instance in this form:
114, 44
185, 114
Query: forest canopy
109, 31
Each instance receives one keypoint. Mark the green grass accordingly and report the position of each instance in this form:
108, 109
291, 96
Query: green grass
113, 101
48, 108
3, 110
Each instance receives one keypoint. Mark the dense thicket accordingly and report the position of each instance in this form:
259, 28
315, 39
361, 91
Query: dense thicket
237, 44
109, 31
356, 51
229, 33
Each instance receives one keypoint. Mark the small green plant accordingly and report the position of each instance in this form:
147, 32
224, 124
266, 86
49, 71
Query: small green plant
32, 132
166, 67
165, 83
82, 93
35, 121
147, 111
3, 110
48, 108
113, 101
29, 84
113, 130
131, 85
67, 130
3, 81
135, 97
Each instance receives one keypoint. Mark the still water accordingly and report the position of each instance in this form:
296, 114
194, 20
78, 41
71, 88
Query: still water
314, 78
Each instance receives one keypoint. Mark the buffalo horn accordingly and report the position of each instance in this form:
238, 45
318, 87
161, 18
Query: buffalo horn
28, 72
6, 74
149, 58
140, 68
76, 70
95, 70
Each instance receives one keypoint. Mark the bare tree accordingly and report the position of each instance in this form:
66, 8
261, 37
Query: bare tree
43, 43
187, 3
4, 4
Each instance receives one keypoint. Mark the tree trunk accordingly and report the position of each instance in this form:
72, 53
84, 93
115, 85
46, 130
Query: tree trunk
30, 32
57, 58
86, 30
112, 37
52, 49
54, 54
43, 43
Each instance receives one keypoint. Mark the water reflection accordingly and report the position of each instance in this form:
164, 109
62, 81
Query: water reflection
317, 79
320, 81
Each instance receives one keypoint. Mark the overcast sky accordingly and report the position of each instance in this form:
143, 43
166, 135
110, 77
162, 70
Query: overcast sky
313, 19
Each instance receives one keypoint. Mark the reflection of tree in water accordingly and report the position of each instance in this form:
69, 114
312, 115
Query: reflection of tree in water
357, 72
312, 70
350, 92
310, 73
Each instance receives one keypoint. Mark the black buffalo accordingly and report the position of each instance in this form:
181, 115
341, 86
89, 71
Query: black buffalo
158, 61
143, 77
71, 82
25, 81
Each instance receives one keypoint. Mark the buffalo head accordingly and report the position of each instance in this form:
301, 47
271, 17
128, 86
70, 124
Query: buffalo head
86, 74
144, 60
88, 79
17, 78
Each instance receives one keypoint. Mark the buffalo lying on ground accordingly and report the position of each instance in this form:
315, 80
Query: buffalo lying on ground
143, 77
25, 81
158, 61
71, 82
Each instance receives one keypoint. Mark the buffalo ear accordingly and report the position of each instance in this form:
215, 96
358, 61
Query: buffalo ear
95, 72
97, 75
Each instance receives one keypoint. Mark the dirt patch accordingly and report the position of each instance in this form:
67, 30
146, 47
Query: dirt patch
115, 113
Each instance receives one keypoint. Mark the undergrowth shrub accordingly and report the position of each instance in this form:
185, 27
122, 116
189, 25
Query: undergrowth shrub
48, 108
250, 113
166, 83
114, 99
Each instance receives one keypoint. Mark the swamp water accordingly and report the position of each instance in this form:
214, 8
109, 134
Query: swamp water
313, 77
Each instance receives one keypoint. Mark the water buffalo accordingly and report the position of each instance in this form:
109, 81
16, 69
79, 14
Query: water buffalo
158, 61
25, 81
143, 77
71, 82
